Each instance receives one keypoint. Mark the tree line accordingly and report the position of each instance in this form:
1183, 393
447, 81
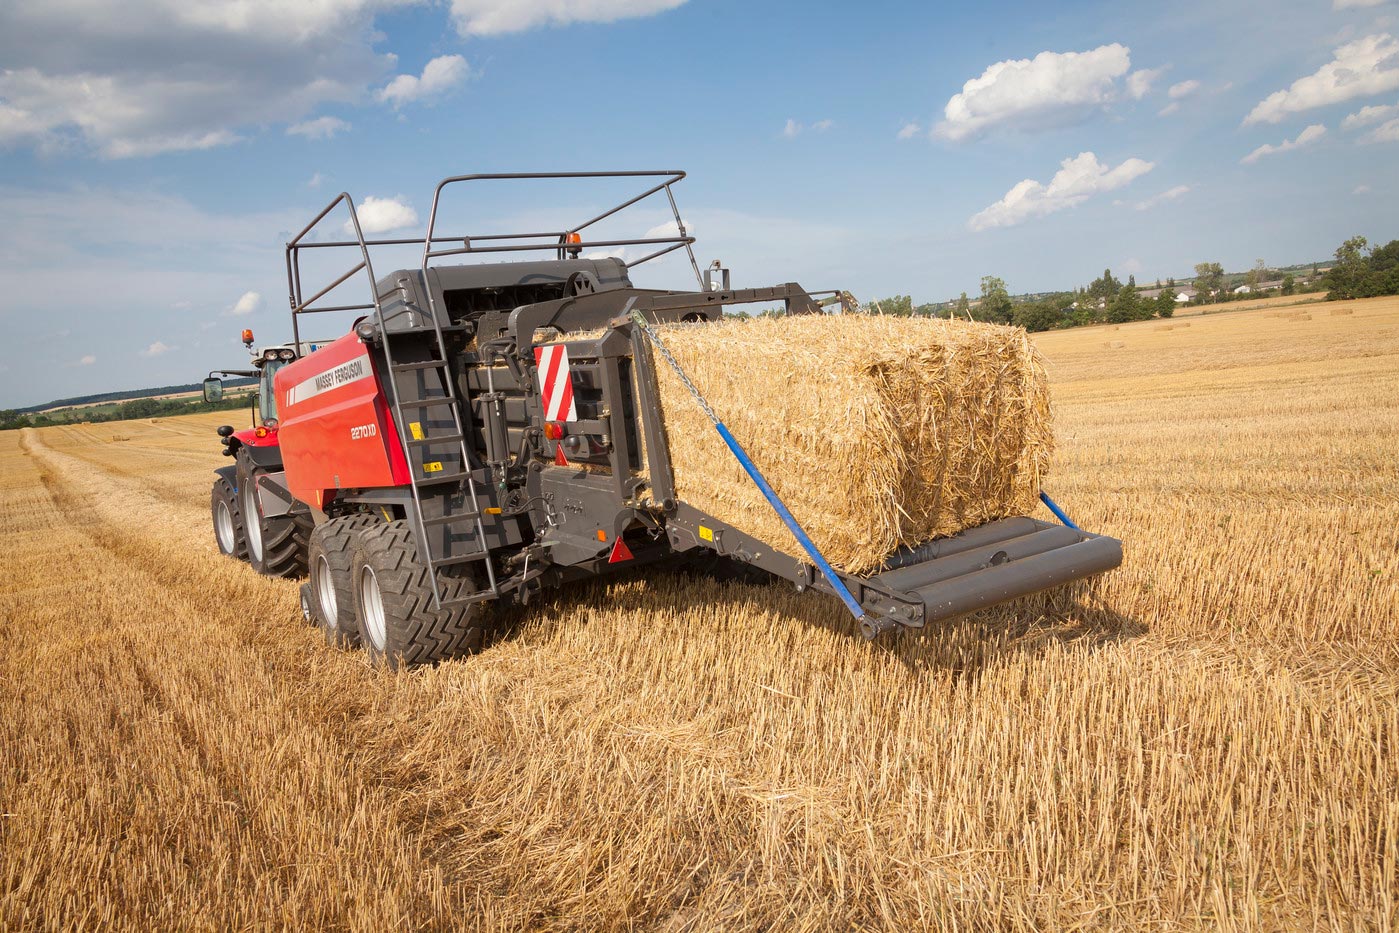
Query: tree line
11, 419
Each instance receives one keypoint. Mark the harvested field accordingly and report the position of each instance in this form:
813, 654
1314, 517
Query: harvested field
1204, 738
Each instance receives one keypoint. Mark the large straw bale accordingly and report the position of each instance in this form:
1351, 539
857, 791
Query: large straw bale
877, 432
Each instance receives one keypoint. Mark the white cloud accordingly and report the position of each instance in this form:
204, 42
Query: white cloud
1387, 132
1367, 115
319, 128
439, 76
1354, 4
1361, 189
821, 126
157, 348
1305, 138
1359, 69
1078, 179
1169, 194
1183, 89
86, 361
1139, 82
494, 17
153, 76
792, 128
1048, 87
669, 229
379, 215
316, 180
910, 130
1169, 109
247, 303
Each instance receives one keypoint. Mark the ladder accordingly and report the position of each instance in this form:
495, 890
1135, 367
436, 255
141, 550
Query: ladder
413, 437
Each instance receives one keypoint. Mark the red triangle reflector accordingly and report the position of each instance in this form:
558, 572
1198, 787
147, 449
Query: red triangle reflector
559, 458
620, 552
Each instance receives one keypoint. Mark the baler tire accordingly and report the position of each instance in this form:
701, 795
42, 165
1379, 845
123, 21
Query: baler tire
277, 546
328, 559
404, 630
229, 533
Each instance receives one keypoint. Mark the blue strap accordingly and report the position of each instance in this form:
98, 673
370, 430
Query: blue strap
827, 571
1058, 512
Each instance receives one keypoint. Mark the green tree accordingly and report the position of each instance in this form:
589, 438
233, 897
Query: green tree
995, 304
1289, 284
1350, 276
1125, 307
963, 308
1105, 288
1040, 315
1209, 280
1166, 303
897, 306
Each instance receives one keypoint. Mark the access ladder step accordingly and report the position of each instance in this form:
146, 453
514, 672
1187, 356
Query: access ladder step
426, 402
448, 519
444, 439
438, 479
413, 367
461, 559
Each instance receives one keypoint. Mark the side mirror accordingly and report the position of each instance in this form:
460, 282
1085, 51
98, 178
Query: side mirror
213, 389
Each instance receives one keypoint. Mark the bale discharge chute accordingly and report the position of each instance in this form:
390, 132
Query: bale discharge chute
490, 428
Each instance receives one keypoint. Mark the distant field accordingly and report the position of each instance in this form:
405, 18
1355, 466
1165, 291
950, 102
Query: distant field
1203, 739
1275, 301
87, 411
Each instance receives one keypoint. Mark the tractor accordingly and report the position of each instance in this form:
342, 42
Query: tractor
489, 427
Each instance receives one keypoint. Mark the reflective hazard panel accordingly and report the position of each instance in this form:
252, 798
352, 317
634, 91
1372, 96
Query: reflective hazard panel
620, 552
555, 382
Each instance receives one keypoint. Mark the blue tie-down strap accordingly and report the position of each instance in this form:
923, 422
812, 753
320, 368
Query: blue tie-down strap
807, 544
1058, 512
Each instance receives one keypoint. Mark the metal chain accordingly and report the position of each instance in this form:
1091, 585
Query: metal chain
656, 341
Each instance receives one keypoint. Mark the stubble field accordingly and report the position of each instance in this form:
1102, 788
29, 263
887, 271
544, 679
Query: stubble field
1206, 737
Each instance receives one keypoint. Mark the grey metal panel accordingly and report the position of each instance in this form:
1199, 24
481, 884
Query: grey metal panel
994, 552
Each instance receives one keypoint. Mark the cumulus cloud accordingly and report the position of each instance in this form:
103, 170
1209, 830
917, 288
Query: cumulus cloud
1305, 138
155, 76
1170, 194
1354, 4
909, 130
86, 360
157, 348
247, 303
1368, 115
791, 129
821, 126
379, 215
319, 128
669, 229
316, 180
439, 76
1387, 132
1361, 68
494, 17
1077, 180
1036, 91
1139, 82
1361, 189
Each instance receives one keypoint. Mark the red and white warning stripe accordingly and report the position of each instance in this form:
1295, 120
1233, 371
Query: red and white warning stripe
555, 383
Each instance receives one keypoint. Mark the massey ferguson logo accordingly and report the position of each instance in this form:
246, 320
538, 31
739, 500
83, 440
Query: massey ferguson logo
340, 375
344, 374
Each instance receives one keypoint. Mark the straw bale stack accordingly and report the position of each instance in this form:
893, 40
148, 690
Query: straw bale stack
877, 432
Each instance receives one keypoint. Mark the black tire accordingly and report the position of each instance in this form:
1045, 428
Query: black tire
277, 545
408, 631
227, 516
329, 555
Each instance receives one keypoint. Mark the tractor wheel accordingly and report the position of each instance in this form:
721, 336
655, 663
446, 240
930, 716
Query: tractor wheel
328, 560
229, 533
393, 601
276, 546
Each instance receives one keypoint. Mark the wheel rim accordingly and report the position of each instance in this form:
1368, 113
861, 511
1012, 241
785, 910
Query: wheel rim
223, 527
373, 605
325, 593
252, 523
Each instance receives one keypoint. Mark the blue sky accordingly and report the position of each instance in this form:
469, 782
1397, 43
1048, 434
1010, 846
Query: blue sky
156, 154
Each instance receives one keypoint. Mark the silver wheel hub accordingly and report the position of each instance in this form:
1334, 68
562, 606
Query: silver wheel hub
373, 603
325, 593
251, 521
223, 527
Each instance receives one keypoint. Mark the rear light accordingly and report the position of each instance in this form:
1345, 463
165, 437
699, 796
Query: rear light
269, 354
262, 431
286, 355
270, 423
553, 430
